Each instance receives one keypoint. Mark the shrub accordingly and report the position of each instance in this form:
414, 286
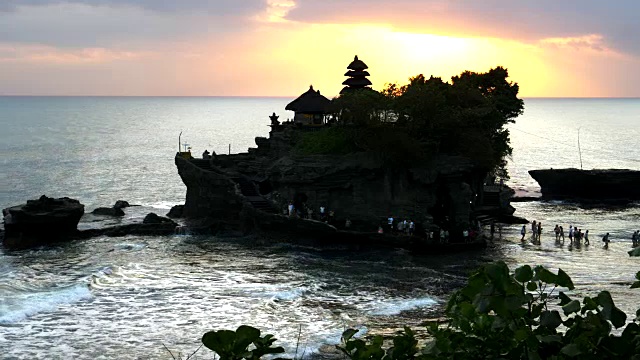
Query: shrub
499, 315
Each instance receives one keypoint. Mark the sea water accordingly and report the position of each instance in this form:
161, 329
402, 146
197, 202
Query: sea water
113, 298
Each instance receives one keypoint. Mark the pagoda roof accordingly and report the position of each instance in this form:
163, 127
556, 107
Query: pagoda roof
357, 82
354, 73
309, 102
347, 89
357, 64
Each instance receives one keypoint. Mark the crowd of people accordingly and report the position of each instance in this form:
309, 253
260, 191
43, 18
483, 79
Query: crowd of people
407, 227
576, 235
304, 212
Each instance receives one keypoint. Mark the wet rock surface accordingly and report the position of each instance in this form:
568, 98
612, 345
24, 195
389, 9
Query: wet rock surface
176, 212
443, 192
112, 211
40, 222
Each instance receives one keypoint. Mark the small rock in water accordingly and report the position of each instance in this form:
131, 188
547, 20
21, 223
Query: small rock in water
121, 204
113, 211
153, 218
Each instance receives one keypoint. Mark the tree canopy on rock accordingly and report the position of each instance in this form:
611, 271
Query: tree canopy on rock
427, 116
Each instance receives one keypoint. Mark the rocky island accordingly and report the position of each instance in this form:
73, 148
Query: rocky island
345, 168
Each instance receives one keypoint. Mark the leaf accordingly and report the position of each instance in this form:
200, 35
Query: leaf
571, 350
564, 299
220, 341
618, 317
550, 338
524, 273
245, 336
564, 280
550, 319
545, 275
532, 286
348, 334
636, 284
589, 304
605, 300
572, 307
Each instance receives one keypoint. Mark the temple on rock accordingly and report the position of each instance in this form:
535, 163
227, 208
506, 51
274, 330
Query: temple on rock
279, 187
357, 76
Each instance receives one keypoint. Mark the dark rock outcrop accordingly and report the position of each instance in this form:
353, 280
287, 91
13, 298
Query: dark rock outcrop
121, 204
112, 211
176, 212
160, 229
153, 218
238, 190
115, 210
40, 222
610, 184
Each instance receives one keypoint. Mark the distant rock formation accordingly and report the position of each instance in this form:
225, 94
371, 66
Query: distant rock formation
115, 210
597, 184
112, 211
40, 222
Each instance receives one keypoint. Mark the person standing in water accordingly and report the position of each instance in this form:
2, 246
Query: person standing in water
586, 237
523, 232
606, 241
539, 230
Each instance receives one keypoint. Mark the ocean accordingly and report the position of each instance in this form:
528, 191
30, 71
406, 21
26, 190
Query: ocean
130, 297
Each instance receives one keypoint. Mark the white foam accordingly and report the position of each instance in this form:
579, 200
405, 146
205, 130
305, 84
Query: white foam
287, 295
395, 307
17, 307
130, 246
165, 205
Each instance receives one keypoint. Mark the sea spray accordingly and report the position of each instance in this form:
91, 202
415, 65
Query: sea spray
19, 306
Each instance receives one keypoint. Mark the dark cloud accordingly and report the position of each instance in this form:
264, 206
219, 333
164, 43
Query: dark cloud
528, 20
91, 23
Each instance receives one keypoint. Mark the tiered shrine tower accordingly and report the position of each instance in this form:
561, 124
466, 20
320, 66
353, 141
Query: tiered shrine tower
357, 76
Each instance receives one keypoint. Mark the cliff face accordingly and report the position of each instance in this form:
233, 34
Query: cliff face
355, 186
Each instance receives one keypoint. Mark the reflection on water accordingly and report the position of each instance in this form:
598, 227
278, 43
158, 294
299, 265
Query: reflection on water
140, 293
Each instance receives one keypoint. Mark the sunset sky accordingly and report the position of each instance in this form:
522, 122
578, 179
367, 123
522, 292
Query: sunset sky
587, 48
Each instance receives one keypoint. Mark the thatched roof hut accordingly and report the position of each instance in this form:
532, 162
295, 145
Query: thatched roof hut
310, 107
311, 102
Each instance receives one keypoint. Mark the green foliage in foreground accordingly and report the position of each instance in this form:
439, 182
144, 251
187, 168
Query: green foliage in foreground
497, 315
234, 345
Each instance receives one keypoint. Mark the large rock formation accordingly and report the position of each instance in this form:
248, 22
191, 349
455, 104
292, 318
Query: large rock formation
40, 222
603, 184
441, 193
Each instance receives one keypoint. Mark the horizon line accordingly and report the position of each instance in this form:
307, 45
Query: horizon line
279, 96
